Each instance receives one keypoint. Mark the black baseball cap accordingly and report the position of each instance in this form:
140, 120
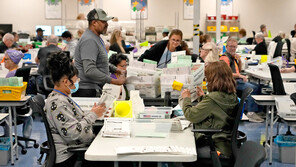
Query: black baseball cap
98, 14
39, 29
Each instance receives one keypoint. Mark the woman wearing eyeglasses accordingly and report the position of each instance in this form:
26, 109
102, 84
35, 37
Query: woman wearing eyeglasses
161, 51
70, 125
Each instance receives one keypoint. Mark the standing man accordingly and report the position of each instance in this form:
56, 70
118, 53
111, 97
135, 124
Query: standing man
234, 62
39, 36
91, 57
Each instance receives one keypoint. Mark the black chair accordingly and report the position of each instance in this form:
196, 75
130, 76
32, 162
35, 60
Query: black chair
250, 41
254, 41
288, 42
208, 154
48, 147
278, 49
24, 111
46, 87
250, 154
278, 86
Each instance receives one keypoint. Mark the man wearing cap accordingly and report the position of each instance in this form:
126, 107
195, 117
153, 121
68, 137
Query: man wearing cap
165, 34
8, 40
91, 57
39, 36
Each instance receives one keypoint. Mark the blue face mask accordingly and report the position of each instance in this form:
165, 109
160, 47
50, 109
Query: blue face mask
65, 41
76, 87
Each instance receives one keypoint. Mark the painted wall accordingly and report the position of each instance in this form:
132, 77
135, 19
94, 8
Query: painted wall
277, 15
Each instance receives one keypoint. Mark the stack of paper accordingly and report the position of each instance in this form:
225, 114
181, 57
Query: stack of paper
116, 127
155, 150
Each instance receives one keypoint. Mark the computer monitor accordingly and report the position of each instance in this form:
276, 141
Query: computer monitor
47, 29
58, 30
6, 28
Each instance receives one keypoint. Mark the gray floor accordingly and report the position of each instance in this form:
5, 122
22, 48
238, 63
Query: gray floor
253, 131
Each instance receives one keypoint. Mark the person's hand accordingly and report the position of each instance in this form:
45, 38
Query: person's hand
121, 80
245, 78
99, 109
287, 70
186, 93
199, 91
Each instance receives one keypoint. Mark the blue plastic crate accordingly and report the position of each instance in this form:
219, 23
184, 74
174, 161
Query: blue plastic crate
4, 143
285, 141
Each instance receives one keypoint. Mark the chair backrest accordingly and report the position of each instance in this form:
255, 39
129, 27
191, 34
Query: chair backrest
293, 97
278, 86
37, 103
250, 41
239, 108
23, 72
278, 49
288, 42
251, 154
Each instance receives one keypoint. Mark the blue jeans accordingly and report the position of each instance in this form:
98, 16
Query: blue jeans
251, 105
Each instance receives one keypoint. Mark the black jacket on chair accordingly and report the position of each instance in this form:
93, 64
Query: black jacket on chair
156, 51
261, 49
115, 47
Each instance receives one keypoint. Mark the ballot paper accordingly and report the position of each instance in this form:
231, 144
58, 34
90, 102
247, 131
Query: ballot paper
174, 56
112, 89
155, 150
116, 127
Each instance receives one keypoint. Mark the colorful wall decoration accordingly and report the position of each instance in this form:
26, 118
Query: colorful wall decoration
84, 6
139, 7
188, 9
53, 9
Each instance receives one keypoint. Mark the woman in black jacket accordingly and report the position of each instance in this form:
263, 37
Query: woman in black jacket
117, 43
161, 51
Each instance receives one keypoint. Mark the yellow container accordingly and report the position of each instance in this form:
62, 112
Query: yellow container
233, 29
211, 28
263, 58
177, 85
12, 93
123, 109
223, 28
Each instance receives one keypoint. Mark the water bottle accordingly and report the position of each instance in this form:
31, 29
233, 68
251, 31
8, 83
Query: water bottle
167, 99
137, 103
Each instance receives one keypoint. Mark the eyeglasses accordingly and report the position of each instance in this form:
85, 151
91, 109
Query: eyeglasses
176, 41
77, 81
232, 46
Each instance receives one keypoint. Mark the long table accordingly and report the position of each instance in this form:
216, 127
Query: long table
265, 75
104, 149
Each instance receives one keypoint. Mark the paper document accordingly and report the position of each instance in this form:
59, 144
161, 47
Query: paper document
155, 150
116, 127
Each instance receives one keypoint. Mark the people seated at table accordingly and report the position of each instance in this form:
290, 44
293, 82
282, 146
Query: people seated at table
161, 51
11, 61
293, 48
279, 37
41, 60
120, 61
216, 109
70, 125
70, 41
117, 43
263, 30
293, 32
39, 36
165, 34
260, 48
7, 42
242, 36
209, 53
234, 62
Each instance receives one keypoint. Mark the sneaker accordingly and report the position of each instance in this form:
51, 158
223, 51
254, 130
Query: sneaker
253, 117
261, 115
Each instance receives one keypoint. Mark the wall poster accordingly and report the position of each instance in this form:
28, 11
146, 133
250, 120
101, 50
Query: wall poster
53, 9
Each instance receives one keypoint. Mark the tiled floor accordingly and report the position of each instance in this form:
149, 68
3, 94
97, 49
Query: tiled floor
253, 131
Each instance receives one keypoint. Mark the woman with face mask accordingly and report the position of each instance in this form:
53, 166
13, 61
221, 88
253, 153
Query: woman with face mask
161, 51
70, 125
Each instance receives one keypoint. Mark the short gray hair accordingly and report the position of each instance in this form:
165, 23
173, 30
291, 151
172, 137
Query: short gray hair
259, 35
52, 39
8, 36
262, 26
282, 34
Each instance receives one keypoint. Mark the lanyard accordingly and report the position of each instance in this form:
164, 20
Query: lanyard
102, 42
67, 97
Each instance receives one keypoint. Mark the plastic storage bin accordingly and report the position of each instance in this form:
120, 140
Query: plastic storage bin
158, 128
287, 148
16, 92
4, 150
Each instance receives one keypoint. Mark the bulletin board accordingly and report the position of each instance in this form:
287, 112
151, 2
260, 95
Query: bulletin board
53, 9
139, 7
188, 9
84, 6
